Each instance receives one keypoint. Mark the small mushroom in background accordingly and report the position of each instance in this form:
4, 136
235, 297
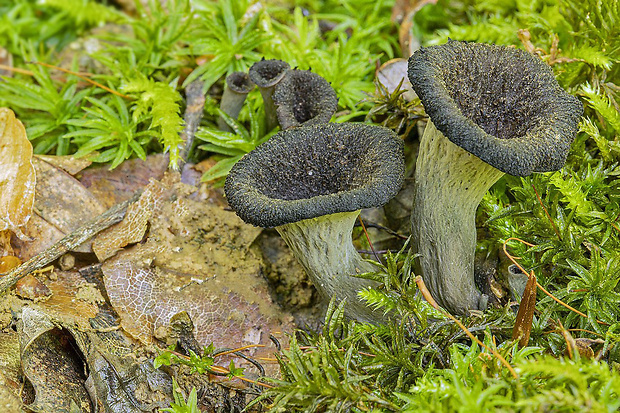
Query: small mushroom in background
493, 110
238, 85
310, 183
304, 98
266, 74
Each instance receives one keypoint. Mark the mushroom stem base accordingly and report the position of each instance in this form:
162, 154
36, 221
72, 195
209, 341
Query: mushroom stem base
323, 246
449, 184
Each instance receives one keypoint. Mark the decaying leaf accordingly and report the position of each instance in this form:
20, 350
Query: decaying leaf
62, 200
115, 186
56, 357
393, 74
62, 205
10, 372
17, 174
68, 163
133, 227
196, 258
51, 365
525, 315
31, 288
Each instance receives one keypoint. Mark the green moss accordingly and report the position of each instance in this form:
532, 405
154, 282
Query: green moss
422, 362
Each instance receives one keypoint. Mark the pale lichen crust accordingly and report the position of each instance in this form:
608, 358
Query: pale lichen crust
317, 170
499, 103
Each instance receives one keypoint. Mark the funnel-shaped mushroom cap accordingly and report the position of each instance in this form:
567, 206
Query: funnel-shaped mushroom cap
304, 98
501, 104
317, 170
239, 82
267, 73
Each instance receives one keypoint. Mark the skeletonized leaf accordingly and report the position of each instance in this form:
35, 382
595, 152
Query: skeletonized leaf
17, 176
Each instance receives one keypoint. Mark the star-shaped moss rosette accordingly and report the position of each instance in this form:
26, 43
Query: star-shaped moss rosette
310, 183
492, 110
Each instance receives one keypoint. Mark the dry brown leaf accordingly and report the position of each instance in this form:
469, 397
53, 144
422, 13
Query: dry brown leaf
120, 184
17, 175
392, 73
525, 315
133, 227
62, 200
62, 205
43, 236
70, 164
197, 258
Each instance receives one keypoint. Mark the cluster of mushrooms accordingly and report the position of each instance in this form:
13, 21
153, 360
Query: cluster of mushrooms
492, 110
291, 97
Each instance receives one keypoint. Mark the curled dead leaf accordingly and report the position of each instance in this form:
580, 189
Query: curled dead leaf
17, 175
133, 227
68, 163
393, 75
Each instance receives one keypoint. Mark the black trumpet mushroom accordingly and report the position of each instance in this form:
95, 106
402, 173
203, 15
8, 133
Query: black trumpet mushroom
238, 85
304, 98
266, 74
310, 183
492, 110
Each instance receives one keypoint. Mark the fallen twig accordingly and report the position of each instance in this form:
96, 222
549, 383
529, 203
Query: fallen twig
68, 243
195, 99
420, 282
114, 215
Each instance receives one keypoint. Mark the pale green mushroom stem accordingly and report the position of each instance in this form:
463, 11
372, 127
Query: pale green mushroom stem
267, 74
238, 85
449, 185
323, 246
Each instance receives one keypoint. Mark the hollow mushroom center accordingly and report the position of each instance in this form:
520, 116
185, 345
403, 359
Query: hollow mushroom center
307, 107
338, 168
240, 82
269, 72
486, 91
303, 111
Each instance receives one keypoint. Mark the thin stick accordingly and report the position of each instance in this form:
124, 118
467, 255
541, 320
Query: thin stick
84, 78
222, 370
557, 232
224, 353
195, 99
69, 242
369, 242
420, 282
16, 70
425, 293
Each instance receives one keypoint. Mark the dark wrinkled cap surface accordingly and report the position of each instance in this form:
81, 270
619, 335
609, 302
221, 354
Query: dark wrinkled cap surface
240, 82
267, 73
304, 98
317, 170
501, 104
